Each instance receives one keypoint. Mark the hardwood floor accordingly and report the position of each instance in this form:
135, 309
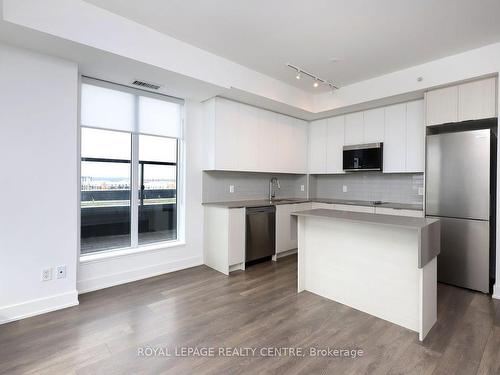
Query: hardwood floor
258, 308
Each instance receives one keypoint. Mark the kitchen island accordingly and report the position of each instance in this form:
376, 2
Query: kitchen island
383, 265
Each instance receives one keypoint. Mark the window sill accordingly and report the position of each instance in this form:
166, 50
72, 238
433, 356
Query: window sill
117, 253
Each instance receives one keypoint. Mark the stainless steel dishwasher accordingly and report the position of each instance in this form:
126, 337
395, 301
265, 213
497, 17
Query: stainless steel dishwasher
260, 233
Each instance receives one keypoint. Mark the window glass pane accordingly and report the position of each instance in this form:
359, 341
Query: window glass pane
158, 191
159, 117
97, 143
157, 149
105, 191
106, 108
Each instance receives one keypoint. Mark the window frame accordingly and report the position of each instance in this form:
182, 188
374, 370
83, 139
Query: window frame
135, 183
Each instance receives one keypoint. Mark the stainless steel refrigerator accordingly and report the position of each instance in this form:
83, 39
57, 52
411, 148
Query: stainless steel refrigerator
458, 193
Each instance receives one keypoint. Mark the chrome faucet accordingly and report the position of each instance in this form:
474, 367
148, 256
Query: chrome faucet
273, 184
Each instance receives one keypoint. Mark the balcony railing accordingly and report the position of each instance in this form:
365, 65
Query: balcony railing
105, 214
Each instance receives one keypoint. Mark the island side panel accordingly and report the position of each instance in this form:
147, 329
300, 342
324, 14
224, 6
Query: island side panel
370, 267
301, 244
428, 298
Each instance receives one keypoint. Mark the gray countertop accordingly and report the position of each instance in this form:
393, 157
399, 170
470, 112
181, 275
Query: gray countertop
391, 220
428, 230
266, 202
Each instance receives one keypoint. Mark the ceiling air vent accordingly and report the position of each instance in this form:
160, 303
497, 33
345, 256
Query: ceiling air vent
147, 85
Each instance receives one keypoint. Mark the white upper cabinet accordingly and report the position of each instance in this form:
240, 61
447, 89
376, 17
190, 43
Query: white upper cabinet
317, 146
291, 145
374, 123
415, 136
226, 117
354, 128
477, 100
395, 139
298, 145
335, 144
267, 152
247, 139
468, 101
400, 127
239, 137
442, 105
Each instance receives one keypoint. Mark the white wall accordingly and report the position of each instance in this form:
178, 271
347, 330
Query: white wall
38, 185
105, 272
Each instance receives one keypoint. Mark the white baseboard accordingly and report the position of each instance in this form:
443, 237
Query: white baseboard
38, 306
127, 276
286, 253
496, 291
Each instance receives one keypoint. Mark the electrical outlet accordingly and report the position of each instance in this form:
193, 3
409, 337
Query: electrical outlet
344, 188
61, 272
231, 188
47, 274
302, 188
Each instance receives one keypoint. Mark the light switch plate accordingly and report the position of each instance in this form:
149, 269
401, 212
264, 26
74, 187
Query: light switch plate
344, 188
231, 188
420, 191
302, 188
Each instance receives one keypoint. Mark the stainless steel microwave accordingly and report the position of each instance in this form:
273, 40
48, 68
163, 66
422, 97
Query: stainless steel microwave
367, 157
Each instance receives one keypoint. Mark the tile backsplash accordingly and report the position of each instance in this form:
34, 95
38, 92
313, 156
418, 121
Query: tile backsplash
248, 185
369, 186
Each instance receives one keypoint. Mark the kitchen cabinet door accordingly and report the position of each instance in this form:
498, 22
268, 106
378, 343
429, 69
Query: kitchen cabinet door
335, 144
477, 100
267, 153
281, 130
354, 128
282, 227
298, 146
441, 106
226, 134
415, 136
248, 138
286, 226
236, 235
395, 139
374, 125
317, 146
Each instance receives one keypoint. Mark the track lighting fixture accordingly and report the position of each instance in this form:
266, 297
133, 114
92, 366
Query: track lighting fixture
317, 80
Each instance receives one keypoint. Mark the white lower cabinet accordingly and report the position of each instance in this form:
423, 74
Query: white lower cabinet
399, 212
224, 238
286, 226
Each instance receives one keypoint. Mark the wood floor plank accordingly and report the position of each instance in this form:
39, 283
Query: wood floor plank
490, 362
257, 308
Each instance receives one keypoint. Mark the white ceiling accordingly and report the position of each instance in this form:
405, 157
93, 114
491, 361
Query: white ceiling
370, 37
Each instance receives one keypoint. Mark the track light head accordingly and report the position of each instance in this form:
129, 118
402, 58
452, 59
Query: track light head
298, 74
316, 83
